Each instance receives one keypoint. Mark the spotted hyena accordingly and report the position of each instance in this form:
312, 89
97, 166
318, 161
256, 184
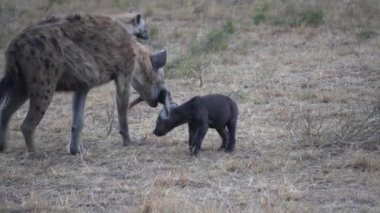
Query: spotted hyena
76, 53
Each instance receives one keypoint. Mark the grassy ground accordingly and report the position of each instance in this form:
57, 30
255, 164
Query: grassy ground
306, 77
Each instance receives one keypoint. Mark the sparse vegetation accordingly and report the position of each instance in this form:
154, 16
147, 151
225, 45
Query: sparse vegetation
290, 17
359, 129
261, 13
305, 126
216, 40
317, 128
196, 60
126, 4
366, 34
305, 75
153, 32
312, 17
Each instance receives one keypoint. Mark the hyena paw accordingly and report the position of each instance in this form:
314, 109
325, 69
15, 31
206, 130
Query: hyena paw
194, 151
3, 146
73, 150
131, 143
3, 142
230, 149
221, 148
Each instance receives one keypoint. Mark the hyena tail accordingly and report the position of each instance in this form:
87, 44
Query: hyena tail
7, 83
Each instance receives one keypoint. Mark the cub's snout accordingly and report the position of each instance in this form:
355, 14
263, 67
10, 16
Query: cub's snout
158, 132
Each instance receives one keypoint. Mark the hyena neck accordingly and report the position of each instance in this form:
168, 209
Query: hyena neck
127, 26
182, 114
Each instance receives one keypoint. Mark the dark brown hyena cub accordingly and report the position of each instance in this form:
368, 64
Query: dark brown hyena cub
202, 112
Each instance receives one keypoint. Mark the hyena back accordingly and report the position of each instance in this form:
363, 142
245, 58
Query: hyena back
133, 22
75, 53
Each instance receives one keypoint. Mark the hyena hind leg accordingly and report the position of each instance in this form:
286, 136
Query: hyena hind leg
37, 108
231, 136
223, 134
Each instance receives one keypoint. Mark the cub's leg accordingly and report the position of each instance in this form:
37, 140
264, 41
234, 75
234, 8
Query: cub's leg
231, 136
192, 132
223, 134
198, 138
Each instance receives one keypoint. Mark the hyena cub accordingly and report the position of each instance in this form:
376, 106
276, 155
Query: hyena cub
202, 112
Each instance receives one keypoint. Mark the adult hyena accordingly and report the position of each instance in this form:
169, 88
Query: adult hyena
76, 54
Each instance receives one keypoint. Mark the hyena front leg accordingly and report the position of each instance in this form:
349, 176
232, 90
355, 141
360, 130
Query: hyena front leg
198, 138
16, 99
79, 101
122, 101
192, 133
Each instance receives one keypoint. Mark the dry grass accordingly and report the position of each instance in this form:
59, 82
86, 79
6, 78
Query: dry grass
308, 131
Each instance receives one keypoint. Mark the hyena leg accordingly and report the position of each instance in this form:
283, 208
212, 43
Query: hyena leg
223, 134
198, 138
231, 137
192, 132
122, 101
16, 99
79, 101
37, 108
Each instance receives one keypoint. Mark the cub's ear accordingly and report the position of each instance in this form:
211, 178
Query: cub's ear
167, 109
168, 100
165, 113
165, 98
159, 58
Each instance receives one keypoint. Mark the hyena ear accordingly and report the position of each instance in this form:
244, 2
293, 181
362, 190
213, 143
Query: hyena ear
137, 19
159, 58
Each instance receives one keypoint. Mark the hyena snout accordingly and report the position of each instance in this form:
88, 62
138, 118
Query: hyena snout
157, 97
159, 130
144, 34
164, 122
150, 89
